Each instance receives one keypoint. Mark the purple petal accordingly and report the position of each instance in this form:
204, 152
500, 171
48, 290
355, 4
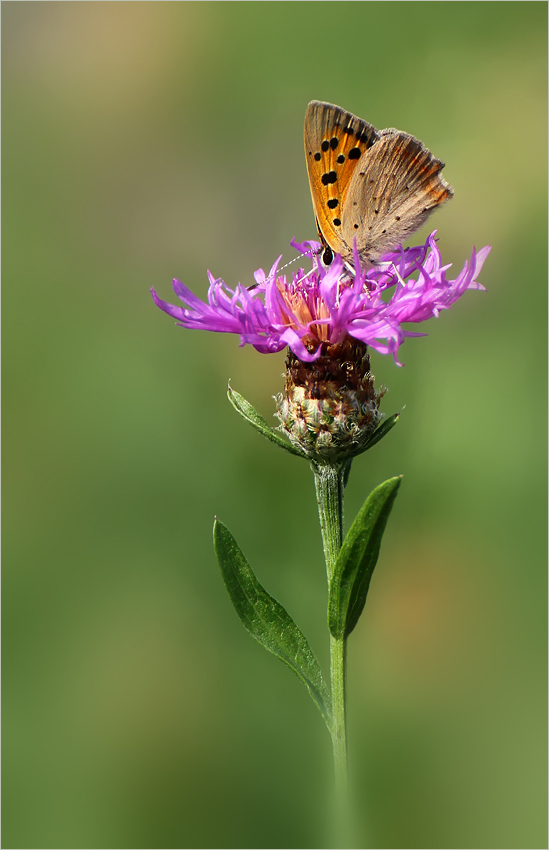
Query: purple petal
280, 312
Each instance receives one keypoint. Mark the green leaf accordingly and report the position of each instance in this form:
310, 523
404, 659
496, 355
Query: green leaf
357, 559
382, 430
260, 424
347, 471
266, 620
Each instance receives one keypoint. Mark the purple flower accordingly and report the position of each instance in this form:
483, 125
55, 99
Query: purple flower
324, 305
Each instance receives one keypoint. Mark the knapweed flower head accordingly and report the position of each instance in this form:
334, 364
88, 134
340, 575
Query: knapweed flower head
328, 317
323, 306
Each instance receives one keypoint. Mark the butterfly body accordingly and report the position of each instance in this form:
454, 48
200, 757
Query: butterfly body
375, 186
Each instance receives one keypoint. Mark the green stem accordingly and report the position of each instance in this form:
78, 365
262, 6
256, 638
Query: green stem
329, 484
338, 663
329, 497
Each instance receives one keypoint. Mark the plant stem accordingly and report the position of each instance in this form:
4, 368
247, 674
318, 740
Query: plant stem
329, 484
329, 497
338, 659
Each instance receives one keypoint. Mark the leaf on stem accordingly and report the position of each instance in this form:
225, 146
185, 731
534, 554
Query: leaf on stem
382, 430
357, 559
260, 424
266, 620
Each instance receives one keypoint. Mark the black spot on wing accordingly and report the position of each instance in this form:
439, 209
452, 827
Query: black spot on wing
329, 177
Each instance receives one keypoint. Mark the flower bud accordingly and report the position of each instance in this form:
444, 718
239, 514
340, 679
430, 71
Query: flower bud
330, 408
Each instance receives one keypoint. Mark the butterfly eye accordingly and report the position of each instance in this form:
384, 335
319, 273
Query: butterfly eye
327, 256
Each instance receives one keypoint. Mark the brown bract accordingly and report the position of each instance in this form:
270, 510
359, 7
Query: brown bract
330, 407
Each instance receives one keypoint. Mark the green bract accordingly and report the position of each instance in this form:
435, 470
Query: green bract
258, 422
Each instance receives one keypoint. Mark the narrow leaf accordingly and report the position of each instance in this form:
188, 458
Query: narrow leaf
259, 423
266, 620
383, 429
357, 559
347, 471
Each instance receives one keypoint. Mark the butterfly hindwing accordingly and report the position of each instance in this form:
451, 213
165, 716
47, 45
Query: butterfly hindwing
393, 192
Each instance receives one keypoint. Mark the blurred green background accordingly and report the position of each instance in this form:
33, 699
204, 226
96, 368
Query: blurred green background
145, 141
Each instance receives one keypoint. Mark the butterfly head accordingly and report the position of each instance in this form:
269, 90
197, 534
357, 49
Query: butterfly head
327, 256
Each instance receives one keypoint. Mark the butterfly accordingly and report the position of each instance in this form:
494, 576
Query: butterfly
375, 186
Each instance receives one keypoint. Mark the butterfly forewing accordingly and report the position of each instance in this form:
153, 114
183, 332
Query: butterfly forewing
335, 141
374, 186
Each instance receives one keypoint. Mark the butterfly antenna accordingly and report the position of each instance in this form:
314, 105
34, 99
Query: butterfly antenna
310, 254
289, 263
398, 275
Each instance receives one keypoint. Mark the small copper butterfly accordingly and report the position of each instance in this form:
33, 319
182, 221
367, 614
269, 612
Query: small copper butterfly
377, 186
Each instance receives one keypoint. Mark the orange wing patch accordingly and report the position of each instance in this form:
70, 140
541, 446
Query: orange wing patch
335, 142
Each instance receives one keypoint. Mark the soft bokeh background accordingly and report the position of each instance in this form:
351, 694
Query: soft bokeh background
144, 141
